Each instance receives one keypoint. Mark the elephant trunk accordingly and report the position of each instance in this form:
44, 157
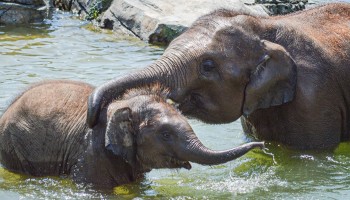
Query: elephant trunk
198, 153
104, 94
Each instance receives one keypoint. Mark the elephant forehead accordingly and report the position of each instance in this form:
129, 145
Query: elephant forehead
174, 122
198, 37
161, 108
162, 113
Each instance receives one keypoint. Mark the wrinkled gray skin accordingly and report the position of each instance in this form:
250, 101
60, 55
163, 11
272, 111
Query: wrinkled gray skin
44, 133
288, 75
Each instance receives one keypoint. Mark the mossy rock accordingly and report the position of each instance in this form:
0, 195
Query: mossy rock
164, 34
96, 8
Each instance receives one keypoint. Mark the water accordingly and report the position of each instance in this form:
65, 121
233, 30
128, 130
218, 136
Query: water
66, 48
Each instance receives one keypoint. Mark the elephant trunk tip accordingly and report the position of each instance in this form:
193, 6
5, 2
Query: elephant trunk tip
260, 145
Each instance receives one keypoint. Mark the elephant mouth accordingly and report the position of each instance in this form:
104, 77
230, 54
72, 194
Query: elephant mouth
191, 104
193, 107
196, 99
180, 164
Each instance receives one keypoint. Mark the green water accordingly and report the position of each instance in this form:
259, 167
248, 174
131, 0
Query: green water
65, 48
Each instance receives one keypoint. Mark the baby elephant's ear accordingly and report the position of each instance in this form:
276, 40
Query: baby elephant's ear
119, 137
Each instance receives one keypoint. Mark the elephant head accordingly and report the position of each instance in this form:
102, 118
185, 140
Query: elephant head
225, 65
149, 133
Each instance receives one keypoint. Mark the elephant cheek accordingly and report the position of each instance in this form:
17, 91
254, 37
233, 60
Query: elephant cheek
224, 109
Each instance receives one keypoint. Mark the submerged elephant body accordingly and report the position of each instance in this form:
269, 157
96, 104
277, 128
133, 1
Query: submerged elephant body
43, 132
287, 75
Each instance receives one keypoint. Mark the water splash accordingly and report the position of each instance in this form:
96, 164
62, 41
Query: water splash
265, 150
243, 185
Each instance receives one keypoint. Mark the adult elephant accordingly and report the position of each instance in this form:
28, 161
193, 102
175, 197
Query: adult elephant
287, 75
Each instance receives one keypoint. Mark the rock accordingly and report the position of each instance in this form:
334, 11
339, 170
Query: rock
282, 7
24, 11
75, 6
271, 7
159, 21
26, 2
86, 9
96, 8
164, 33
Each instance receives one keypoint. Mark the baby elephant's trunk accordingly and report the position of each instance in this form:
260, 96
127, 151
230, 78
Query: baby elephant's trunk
198, 153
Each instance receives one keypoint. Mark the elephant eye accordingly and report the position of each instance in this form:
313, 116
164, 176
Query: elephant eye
208, 70
166, 135
208, 65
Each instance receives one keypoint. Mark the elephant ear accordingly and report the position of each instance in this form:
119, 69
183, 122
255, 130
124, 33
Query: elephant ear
119, 137
273, 81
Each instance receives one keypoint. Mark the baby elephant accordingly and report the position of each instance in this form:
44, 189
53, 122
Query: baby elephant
44, 132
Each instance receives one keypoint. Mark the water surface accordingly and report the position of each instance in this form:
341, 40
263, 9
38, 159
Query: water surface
64, 48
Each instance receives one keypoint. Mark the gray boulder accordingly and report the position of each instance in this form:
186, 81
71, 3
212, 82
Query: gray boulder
86, 9
24, 11
159, 21
282, 7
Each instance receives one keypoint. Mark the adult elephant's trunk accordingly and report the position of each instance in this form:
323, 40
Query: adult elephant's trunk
158, 72
198, 153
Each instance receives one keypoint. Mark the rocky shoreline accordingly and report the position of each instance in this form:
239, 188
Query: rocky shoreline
154, 21
24, 11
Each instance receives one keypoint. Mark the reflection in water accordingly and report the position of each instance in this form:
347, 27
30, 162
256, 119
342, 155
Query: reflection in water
64, 48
